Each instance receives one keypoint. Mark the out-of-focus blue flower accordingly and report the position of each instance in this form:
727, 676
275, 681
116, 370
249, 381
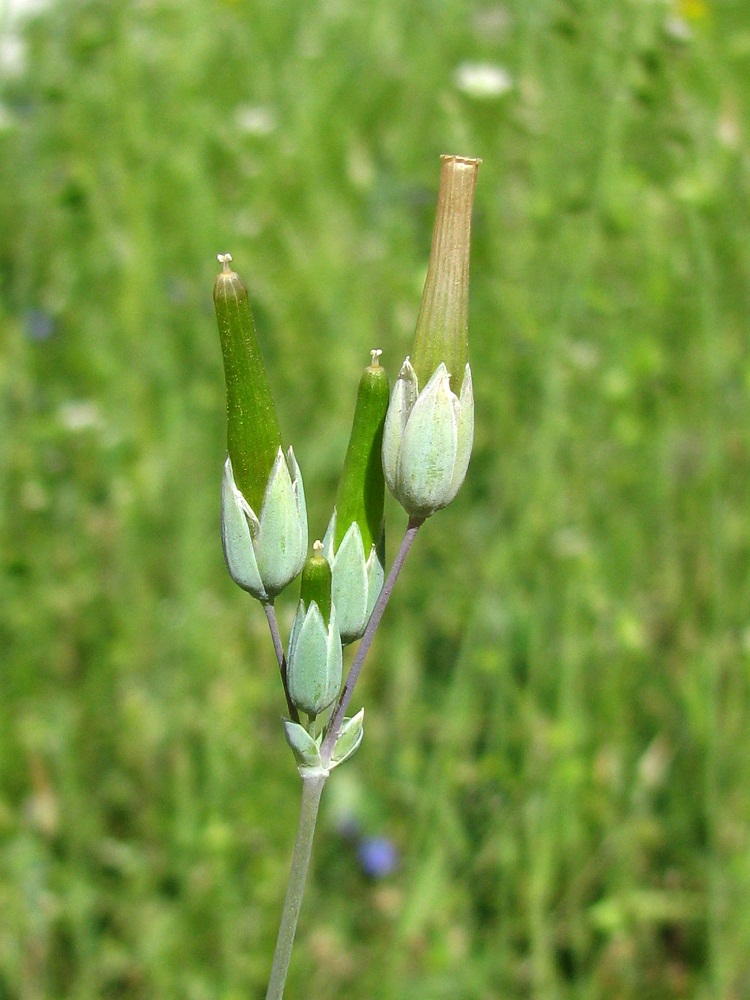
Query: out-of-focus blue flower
347, 826
38, 324
378, 857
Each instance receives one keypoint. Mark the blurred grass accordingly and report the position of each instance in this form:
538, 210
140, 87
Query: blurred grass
558, 713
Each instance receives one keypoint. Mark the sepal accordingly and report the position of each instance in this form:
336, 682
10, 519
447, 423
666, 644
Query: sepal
403, 398
265, 554
282, 538
237, 537
357, 581
465, 431
314, 660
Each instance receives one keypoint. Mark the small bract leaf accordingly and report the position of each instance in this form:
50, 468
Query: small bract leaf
349, 738
303, 746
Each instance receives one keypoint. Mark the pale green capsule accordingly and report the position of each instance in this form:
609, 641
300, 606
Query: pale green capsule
357, 578
314, 658
427, 440
264, 554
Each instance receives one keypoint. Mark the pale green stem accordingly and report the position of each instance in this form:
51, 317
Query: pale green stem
312, 788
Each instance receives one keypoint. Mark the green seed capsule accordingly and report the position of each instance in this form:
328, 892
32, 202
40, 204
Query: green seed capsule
314, 661
253, 435
442, 333
361, 488
316, 583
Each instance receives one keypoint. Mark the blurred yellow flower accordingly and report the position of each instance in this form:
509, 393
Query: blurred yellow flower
693, 10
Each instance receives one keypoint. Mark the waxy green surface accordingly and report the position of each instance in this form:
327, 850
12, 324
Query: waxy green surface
361, 489
316, 583
253, 435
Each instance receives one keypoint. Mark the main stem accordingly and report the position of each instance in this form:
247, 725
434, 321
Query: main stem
312, 785
312, 788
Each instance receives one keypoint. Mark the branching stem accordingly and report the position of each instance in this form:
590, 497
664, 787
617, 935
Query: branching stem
337, 717
280, 656
312, 783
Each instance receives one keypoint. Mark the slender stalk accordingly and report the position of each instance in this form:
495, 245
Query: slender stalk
312, 789
312, 784
377, 613
280, 656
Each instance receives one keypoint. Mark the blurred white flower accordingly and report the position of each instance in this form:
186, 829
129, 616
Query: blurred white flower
80, 415
677, 29
12, 55
255, 119
12, 45
482, 81
16, 9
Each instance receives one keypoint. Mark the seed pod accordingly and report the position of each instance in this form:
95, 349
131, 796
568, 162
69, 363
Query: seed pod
429, 427
355, 539
442, 333
316, 583
314, 660
253, 435
361, 488
263, 512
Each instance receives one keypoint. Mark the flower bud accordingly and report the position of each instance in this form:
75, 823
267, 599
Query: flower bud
263, 512
427, 440
355, 540
314, 659
429, 433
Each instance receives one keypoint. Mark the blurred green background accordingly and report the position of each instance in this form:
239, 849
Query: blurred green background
557, 738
